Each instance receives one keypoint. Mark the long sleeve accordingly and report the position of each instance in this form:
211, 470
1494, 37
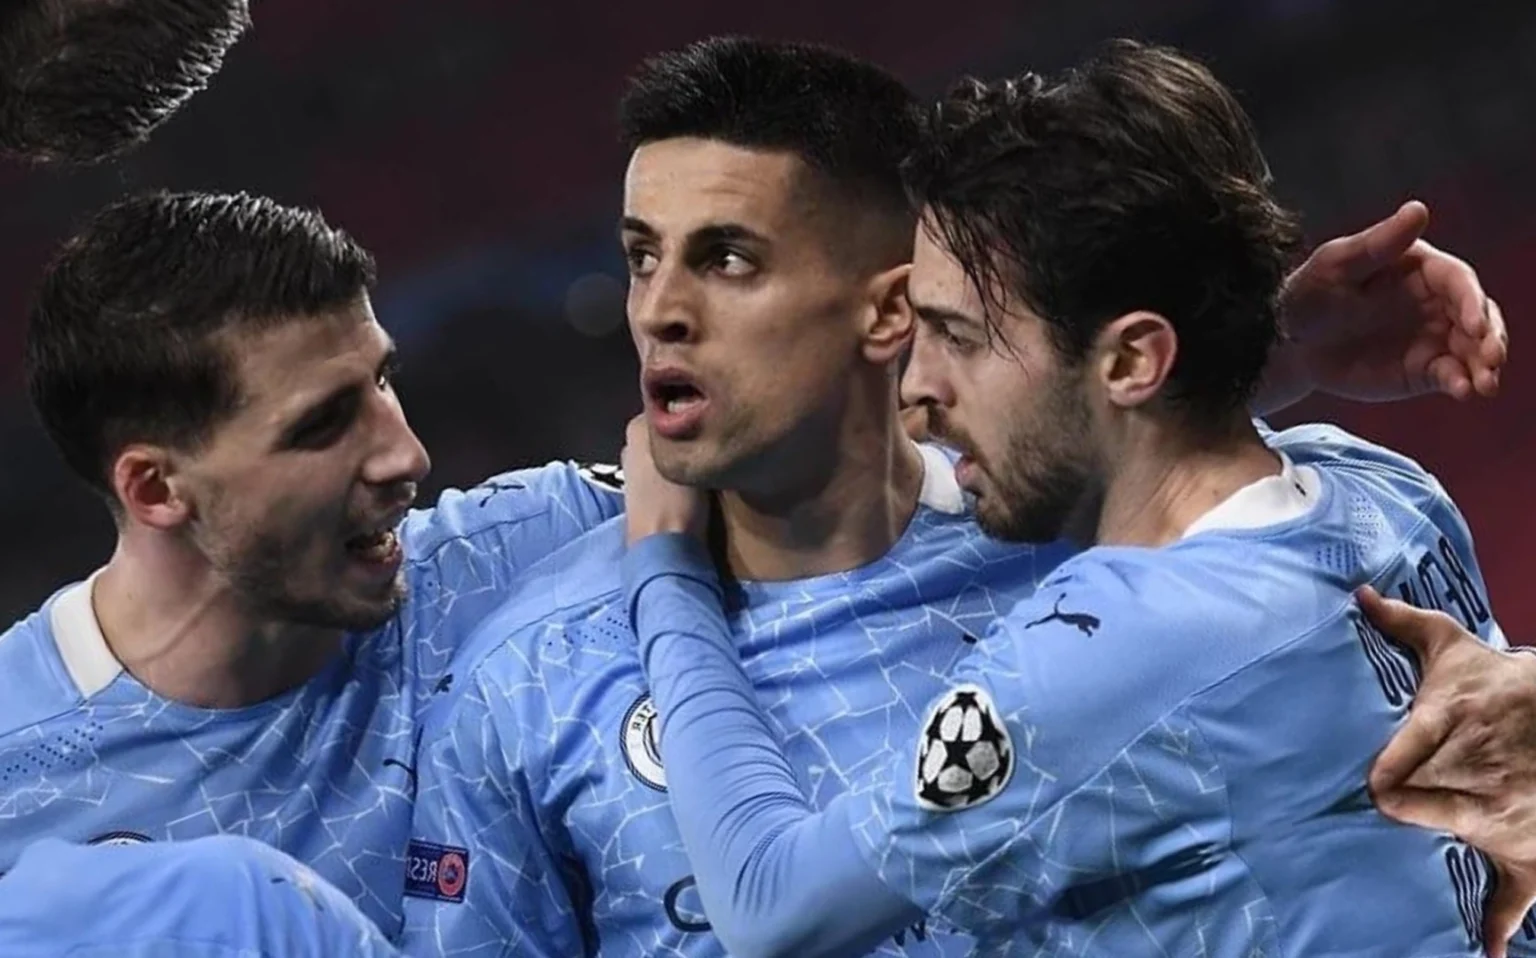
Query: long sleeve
776, 876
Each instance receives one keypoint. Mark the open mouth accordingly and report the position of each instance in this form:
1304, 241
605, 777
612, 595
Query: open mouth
675, 402
378, 544
375, 547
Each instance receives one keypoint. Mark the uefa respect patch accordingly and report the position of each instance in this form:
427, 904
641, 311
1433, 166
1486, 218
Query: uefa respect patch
436, 872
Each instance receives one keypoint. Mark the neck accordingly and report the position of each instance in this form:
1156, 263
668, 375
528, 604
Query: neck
177, 627
842, 513
1164, 480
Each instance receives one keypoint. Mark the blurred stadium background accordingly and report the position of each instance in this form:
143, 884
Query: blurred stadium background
470, 144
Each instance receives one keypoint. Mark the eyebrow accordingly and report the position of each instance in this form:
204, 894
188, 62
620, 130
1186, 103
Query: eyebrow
939, 314
712, 233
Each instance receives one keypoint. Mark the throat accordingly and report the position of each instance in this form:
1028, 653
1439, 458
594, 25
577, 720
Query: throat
851, 520
196, 647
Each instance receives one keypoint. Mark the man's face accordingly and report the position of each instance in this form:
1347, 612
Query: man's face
744, 320
297, 496
1010, 404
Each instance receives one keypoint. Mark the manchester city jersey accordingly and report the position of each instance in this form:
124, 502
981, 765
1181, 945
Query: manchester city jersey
1163, 751
325, 772
546, 775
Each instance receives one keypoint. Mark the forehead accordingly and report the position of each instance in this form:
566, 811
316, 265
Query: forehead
937, 278
291, 363
679, 184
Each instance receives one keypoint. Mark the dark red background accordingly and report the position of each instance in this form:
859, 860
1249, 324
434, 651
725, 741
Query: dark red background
470, 144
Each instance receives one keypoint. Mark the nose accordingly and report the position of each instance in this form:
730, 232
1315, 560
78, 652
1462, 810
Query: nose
399, 457
663, 307
926, 381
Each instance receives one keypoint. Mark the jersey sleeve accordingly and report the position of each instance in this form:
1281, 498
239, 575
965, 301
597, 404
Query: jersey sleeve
476, 811
464, 553
1059, 697
775, 877
218, 897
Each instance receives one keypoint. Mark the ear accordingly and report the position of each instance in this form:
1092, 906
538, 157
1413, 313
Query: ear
147, 483
1135, 356
887, 325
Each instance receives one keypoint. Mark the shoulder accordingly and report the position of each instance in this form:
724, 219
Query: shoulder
1129, 634
509, 498
35, 683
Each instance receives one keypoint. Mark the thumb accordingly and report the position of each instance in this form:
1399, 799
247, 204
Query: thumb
1513, 895
1426, 633
1361, 255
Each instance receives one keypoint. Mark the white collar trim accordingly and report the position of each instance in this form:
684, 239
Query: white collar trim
1269, 501
82, 646
941, 491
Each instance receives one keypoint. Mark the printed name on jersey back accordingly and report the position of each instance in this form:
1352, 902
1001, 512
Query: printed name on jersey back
1473, 880
1438, 580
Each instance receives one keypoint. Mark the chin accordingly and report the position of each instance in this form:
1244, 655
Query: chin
690, 463
1025, 523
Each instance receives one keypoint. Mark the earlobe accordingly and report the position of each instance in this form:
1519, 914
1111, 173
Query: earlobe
887, 328
1138, 351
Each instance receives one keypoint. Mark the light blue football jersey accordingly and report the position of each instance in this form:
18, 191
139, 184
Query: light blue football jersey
546, 776
216, 897
325, 772
1163, 752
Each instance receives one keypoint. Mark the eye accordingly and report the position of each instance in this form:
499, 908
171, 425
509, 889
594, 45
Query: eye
642, 262
952, 341
730, 263
387, 373
327, 424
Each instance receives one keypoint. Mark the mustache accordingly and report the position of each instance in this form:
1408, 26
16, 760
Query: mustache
391, 500
942, 430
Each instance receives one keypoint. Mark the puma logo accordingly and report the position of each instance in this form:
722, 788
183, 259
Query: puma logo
1085, 623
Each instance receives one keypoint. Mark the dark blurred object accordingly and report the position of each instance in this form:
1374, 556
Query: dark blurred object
82, 80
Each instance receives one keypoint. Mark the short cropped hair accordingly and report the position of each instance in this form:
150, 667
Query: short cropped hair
124, 339
845, 118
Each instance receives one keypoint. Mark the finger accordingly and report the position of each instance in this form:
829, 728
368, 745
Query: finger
1494, 346
1507, 907
1456, 285
1426, 633
1438, 809
1447, 374
1409, 748
1382, 243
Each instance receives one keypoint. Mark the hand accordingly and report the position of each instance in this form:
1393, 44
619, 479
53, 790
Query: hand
1383, 315
1465, 761
652, 503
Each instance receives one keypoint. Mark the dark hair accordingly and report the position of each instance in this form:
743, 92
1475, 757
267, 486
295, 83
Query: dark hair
81, 82
124, 340
845, 118
1134, 182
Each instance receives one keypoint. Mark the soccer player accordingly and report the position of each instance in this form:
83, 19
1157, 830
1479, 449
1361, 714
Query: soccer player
256, 654
218, 897
768, 234
1163, 751
83, 81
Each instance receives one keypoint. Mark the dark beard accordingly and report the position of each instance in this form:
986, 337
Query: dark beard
262, 575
